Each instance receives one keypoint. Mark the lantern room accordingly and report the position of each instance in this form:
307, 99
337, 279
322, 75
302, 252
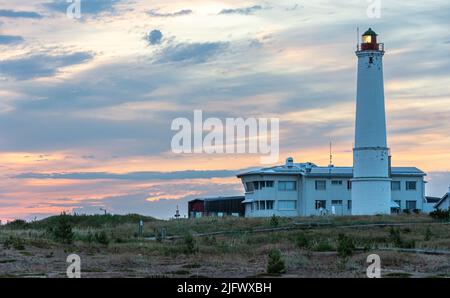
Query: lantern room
369, 41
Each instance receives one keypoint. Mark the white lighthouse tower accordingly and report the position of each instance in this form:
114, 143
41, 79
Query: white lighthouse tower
371, 184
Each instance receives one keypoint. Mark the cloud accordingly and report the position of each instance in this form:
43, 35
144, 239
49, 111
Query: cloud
10, 39
41, 65
90, 7
243, 10
155, 13
191, 52
155, 37
190, 174
6, 13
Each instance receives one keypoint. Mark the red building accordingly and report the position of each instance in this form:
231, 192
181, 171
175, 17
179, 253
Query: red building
196, 208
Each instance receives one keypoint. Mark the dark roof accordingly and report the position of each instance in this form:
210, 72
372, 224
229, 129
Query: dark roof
196, 200
370, 32
432, 199
225, 198
441, 201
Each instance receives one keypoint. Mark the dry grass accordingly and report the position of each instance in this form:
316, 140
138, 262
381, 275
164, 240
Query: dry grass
239, 253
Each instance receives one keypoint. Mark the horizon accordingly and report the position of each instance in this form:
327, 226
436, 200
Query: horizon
87, 104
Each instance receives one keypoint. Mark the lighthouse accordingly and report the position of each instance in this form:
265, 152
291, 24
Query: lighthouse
371, 184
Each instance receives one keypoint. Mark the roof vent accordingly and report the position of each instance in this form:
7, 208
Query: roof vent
289, 162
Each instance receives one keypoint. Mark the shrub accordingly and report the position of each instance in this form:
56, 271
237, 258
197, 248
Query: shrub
275, 265
17, 224
398, 241
302, 241
62, 232
345, 247
102, 238
428, 234
440, 214
14, 242
190, 245
274, 222
323, 246
394, 235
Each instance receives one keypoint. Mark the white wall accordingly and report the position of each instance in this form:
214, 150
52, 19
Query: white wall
306, 194
272, 194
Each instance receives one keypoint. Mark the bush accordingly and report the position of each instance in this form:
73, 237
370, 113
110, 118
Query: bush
190, 245
17, 224
102, 238
394, 235
274, 222
398, 241
14, 242
440, 214
345, 247
302, 241
323, 246
428, 234
62, 232
275, 264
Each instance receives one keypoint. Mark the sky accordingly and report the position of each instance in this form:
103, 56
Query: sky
86, 105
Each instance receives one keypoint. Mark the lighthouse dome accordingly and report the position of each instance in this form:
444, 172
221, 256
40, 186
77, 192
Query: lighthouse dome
370, 32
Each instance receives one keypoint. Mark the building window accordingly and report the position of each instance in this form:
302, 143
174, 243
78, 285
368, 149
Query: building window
321, 204
251, 186
336, 182
411, 205
399, 203
287, 185
395, 185
269, 205
411, 185
349, 184
262, 205
321, 184
349, 204
336, 202
287, 205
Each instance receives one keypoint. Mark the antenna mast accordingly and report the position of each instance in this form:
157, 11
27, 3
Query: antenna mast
357, 38
331, 155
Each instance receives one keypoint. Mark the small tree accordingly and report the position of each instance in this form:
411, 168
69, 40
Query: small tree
274, 222
275, 264
395, 236
190, 244
428, 234
62, 232
345, 247
302, 241
102, 238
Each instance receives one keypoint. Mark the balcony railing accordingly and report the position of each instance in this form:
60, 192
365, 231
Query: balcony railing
379, 47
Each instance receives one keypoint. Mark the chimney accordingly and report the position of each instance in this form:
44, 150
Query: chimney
289, 162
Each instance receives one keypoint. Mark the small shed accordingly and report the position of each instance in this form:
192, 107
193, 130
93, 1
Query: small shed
444, 203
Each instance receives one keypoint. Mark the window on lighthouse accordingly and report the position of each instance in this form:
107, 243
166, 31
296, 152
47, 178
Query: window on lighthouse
367, 38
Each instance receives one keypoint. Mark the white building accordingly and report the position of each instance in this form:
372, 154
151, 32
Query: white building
303, 189
370, 187
444, 203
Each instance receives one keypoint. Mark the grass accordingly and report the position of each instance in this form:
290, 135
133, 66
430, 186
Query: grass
107, 241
